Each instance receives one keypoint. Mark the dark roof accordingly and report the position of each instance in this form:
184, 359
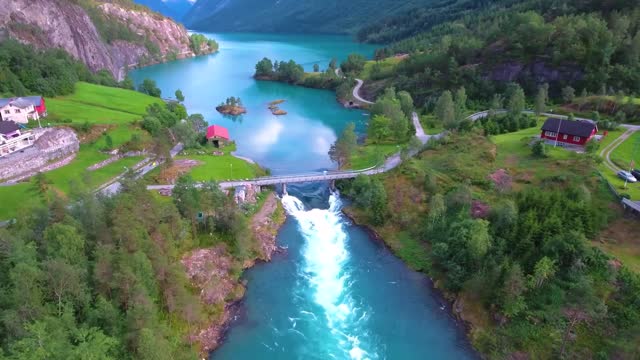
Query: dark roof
7, 127
22, 102
569, 127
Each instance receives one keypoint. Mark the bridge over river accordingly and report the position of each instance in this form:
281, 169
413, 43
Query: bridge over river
390, 163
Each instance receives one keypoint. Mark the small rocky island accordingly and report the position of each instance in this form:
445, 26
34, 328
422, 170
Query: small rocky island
275, 109
232, 106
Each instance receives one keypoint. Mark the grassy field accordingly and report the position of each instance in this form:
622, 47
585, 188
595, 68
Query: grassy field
371, 155
386, 67
627, 151
633, 190
100, 105
97, 105
215, 167
430, 124
224, 167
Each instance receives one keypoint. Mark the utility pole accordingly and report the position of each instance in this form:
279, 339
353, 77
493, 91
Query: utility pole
632, 163
558, 132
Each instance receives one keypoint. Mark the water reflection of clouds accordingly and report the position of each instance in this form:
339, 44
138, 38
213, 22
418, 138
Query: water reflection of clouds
266, 136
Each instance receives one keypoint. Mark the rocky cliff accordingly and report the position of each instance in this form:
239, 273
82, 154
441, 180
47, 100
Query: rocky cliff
125, 37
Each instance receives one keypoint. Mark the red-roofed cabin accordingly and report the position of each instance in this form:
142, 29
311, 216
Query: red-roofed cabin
217, 135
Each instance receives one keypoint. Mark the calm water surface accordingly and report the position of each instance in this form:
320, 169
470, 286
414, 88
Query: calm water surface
335, 293
298, 141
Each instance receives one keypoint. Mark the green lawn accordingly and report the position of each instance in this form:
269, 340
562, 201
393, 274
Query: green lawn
224, 167
386, 67
100, 105
213, 167
627, 151
64, 178
633, 190
430, 124
14, 197
372, 155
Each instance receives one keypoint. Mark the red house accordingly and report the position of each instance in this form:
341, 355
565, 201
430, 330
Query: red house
217, 135
568, 132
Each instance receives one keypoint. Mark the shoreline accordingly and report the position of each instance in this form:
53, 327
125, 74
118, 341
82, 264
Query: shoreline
264, 226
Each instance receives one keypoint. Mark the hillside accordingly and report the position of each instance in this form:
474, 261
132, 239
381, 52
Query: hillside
103, 35
336, 17
592, 47
174, 9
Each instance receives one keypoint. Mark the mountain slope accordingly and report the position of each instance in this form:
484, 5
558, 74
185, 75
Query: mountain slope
332, 16
175, 9
103, 35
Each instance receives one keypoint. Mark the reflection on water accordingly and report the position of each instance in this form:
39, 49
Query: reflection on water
298, 141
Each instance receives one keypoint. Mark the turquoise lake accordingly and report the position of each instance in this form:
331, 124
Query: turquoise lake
298, 141
334, 293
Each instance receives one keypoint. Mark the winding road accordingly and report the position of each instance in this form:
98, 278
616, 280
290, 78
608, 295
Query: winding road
356, 92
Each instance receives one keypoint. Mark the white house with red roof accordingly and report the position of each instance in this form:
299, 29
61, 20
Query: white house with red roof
217, 135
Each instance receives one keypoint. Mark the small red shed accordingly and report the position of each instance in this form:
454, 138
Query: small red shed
217, 135
568, 132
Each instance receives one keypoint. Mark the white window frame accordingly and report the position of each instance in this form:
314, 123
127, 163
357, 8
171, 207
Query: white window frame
565, 136
550, 134
577, 138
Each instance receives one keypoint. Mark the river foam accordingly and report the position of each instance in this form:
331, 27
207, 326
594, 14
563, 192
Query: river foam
326, 271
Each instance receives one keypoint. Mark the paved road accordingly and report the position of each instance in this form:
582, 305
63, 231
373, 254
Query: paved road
356, 92
419, 130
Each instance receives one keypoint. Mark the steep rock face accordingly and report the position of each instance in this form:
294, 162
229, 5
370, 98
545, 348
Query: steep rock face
63, 24
164, 32
57, 24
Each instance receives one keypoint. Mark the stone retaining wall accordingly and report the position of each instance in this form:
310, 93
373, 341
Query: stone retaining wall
115, 158
51, 144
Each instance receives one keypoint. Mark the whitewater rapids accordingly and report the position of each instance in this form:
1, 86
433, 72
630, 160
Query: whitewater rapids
325, 269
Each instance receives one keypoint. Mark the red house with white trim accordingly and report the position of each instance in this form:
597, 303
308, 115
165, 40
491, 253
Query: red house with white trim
217, 135
568, 132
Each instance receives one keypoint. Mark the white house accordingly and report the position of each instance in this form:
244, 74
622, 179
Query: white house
12, 139
18, 110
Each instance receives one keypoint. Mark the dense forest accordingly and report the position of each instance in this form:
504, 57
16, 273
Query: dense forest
51, 72
101, 278
291, 16
592, 46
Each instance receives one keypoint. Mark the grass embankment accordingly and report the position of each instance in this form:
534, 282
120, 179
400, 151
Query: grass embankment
627, 151
211, 167
623, 157
379, 69
371, 155
97, 104
114, 109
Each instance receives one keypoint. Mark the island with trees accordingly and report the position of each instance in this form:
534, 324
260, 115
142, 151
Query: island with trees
232, 106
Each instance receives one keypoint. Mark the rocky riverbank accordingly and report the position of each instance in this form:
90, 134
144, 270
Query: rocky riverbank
214, 272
